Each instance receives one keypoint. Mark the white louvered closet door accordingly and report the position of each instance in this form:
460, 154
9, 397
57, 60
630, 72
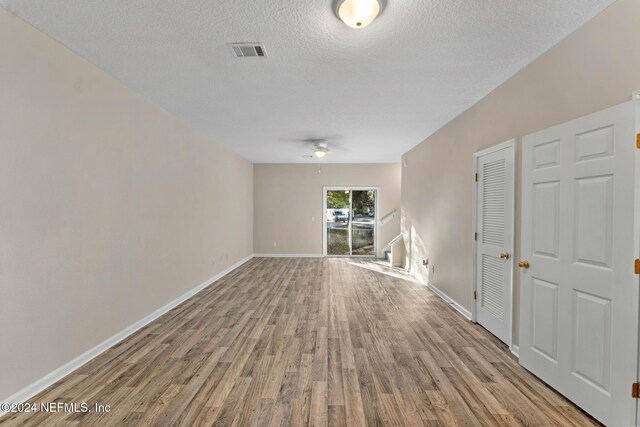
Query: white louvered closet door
494, 225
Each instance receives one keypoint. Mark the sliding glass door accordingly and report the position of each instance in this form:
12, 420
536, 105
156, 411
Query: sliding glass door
338, 207
363, 214
350, 221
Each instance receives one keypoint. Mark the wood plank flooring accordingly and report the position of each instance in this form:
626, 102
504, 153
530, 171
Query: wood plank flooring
308, 341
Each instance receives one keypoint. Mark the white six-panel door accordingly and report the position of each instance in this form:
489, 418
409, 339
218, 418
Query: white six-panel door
579, 320
494, 239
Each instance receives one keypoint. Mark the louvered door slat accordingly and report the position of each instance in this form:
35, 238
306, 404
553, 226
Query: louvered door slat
493, 206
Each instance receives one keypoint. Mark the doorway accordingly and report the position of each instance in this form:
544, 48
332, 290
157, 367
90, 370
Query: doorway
493, 240
350, 227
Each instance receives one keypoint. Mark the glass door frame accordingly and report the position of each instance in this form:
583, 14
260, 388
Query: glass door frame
352, 188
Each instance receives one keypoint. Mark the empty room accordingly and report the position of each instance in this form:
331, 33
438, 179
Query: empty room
320, 213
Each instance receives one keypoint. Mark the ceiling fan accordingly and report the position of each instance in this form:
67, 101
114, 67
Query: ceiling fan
319, 146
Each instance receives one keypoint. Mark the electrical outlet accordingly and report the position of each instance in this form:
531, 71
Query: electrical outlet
275, 244
313, 219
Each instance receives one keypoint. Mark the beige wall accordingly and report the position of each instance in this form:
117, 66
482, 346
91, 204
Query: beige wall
110, 207
595, 67
288, 202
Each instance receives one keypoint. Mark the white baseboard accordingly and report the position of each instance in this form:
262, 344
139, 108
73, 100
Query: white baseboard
515, 349
56, 375
466, 313
288, 255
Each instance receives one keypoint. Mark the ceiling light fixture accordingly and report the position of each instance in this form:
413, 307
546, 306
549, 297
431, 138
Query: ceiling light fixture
358, 13
320, 151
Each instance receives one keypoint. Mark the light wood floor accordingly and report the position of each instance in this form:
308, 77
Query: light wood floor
285, 341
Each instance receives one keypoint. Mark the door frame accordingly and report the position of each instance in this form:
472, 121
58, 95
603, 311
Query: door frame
476, 156
324, 217
635, 96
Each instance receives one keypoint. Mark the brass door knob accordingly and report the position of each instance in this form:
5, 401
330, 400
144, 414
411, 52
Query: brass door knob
523, 264
504, 255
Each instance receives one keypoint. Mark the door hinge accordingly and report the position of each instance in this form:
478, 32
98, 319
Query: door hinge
475, 294
476, 177
635, 390
475, 236
636, 267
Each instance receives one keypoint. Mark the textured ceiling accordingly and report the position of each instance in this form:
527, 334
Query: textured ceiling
374, 92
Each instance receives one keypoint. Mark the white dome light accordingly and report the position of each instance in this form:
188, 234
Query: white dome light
358, 13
